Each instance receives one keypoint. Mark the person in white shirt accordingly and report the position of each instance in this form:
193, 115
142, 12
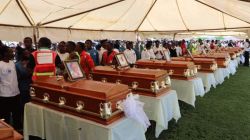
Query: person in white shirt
148, 53
178, 49
166, 52
158, 50
101, 49
130, 53
9, 91
63, 55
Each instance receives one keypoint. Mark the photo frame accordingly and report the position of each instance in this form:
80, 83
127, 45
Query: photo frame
204, 51
121, 60
166, 55
190, 54
74, 70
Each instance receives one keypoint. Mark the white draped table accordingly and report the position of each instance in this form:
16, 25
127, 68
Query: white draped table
219, 77
236, 62
225, 72
162, 109
53, 125
208, 80
188, 89
232, 67
238, 58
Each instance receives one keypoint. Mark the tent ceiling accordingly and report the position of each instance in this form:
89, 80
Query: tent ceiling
43, 11
124, 15
154, 15
236, 8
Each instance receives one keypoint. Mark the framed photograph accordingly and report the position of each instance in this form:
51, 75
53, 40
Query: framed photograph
121, 60
166, 55
190, 54
74, 70
204, 51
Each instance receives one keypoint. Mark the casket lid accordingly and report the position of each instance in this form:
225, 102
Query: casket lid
135, 72
5, 130
215, 56
195, 60
167, 63
88, 88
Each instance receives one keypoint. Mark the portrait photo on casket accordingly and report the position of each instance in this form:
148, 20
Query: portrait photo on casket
121, 60
74, 70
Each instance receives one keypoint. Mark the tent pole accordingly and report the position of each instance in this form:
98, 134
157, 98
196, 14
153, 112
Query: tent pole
174, 36
34, 36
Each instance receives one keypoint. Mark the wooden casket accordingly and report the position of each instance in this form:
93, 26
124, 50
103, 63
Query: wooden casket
222, 59
238, 51
204, 64
176, 69
93, 100
8, 133
141, 81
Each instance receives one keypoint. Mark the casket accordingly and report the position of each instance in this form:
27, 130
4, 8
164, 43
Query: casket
222, 59
93, 100
8, 133
141, 81
238, 51
205, 64
177, 69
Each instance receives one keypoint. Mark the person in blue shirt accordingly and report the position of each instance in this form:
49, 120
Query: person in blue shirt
24, 77
93, 52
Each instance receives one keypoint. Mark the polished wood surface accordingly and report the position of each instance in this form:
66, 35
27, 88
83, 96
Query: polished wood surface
204, 63
8, 133
143, 77
178, 67
91, 93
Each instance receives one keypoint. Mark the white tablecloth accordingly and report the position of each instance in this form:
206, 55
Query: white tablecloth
226, 72
53, 125
238, 59
162, 109
219, 77
232, 67
208, 80
236, 62
188, 89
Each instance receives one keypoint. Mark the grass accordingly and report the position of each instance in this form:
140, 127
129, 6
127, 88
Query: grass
222, 114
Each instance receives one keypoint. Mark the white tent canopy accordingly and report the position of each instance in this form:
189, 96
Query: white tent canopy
117, 19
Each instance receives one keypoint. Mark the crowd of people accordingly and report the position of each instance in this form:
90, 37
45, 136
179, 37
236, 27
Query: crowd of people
25, 63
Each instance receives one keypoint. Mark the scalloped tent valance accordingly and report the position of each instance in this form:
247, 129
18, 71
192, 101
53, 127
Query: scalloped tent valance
118, 19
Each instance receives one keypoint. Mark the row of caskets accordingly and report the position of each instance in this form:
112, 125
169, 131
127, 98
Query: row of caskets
99, 99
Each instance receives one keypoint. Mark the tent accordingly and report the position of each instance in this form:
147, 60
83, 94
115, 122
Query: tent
118, 19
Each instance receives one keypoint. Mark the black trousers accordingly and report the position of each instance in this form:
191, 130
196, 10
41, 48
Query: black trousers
246, 55
11, 106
